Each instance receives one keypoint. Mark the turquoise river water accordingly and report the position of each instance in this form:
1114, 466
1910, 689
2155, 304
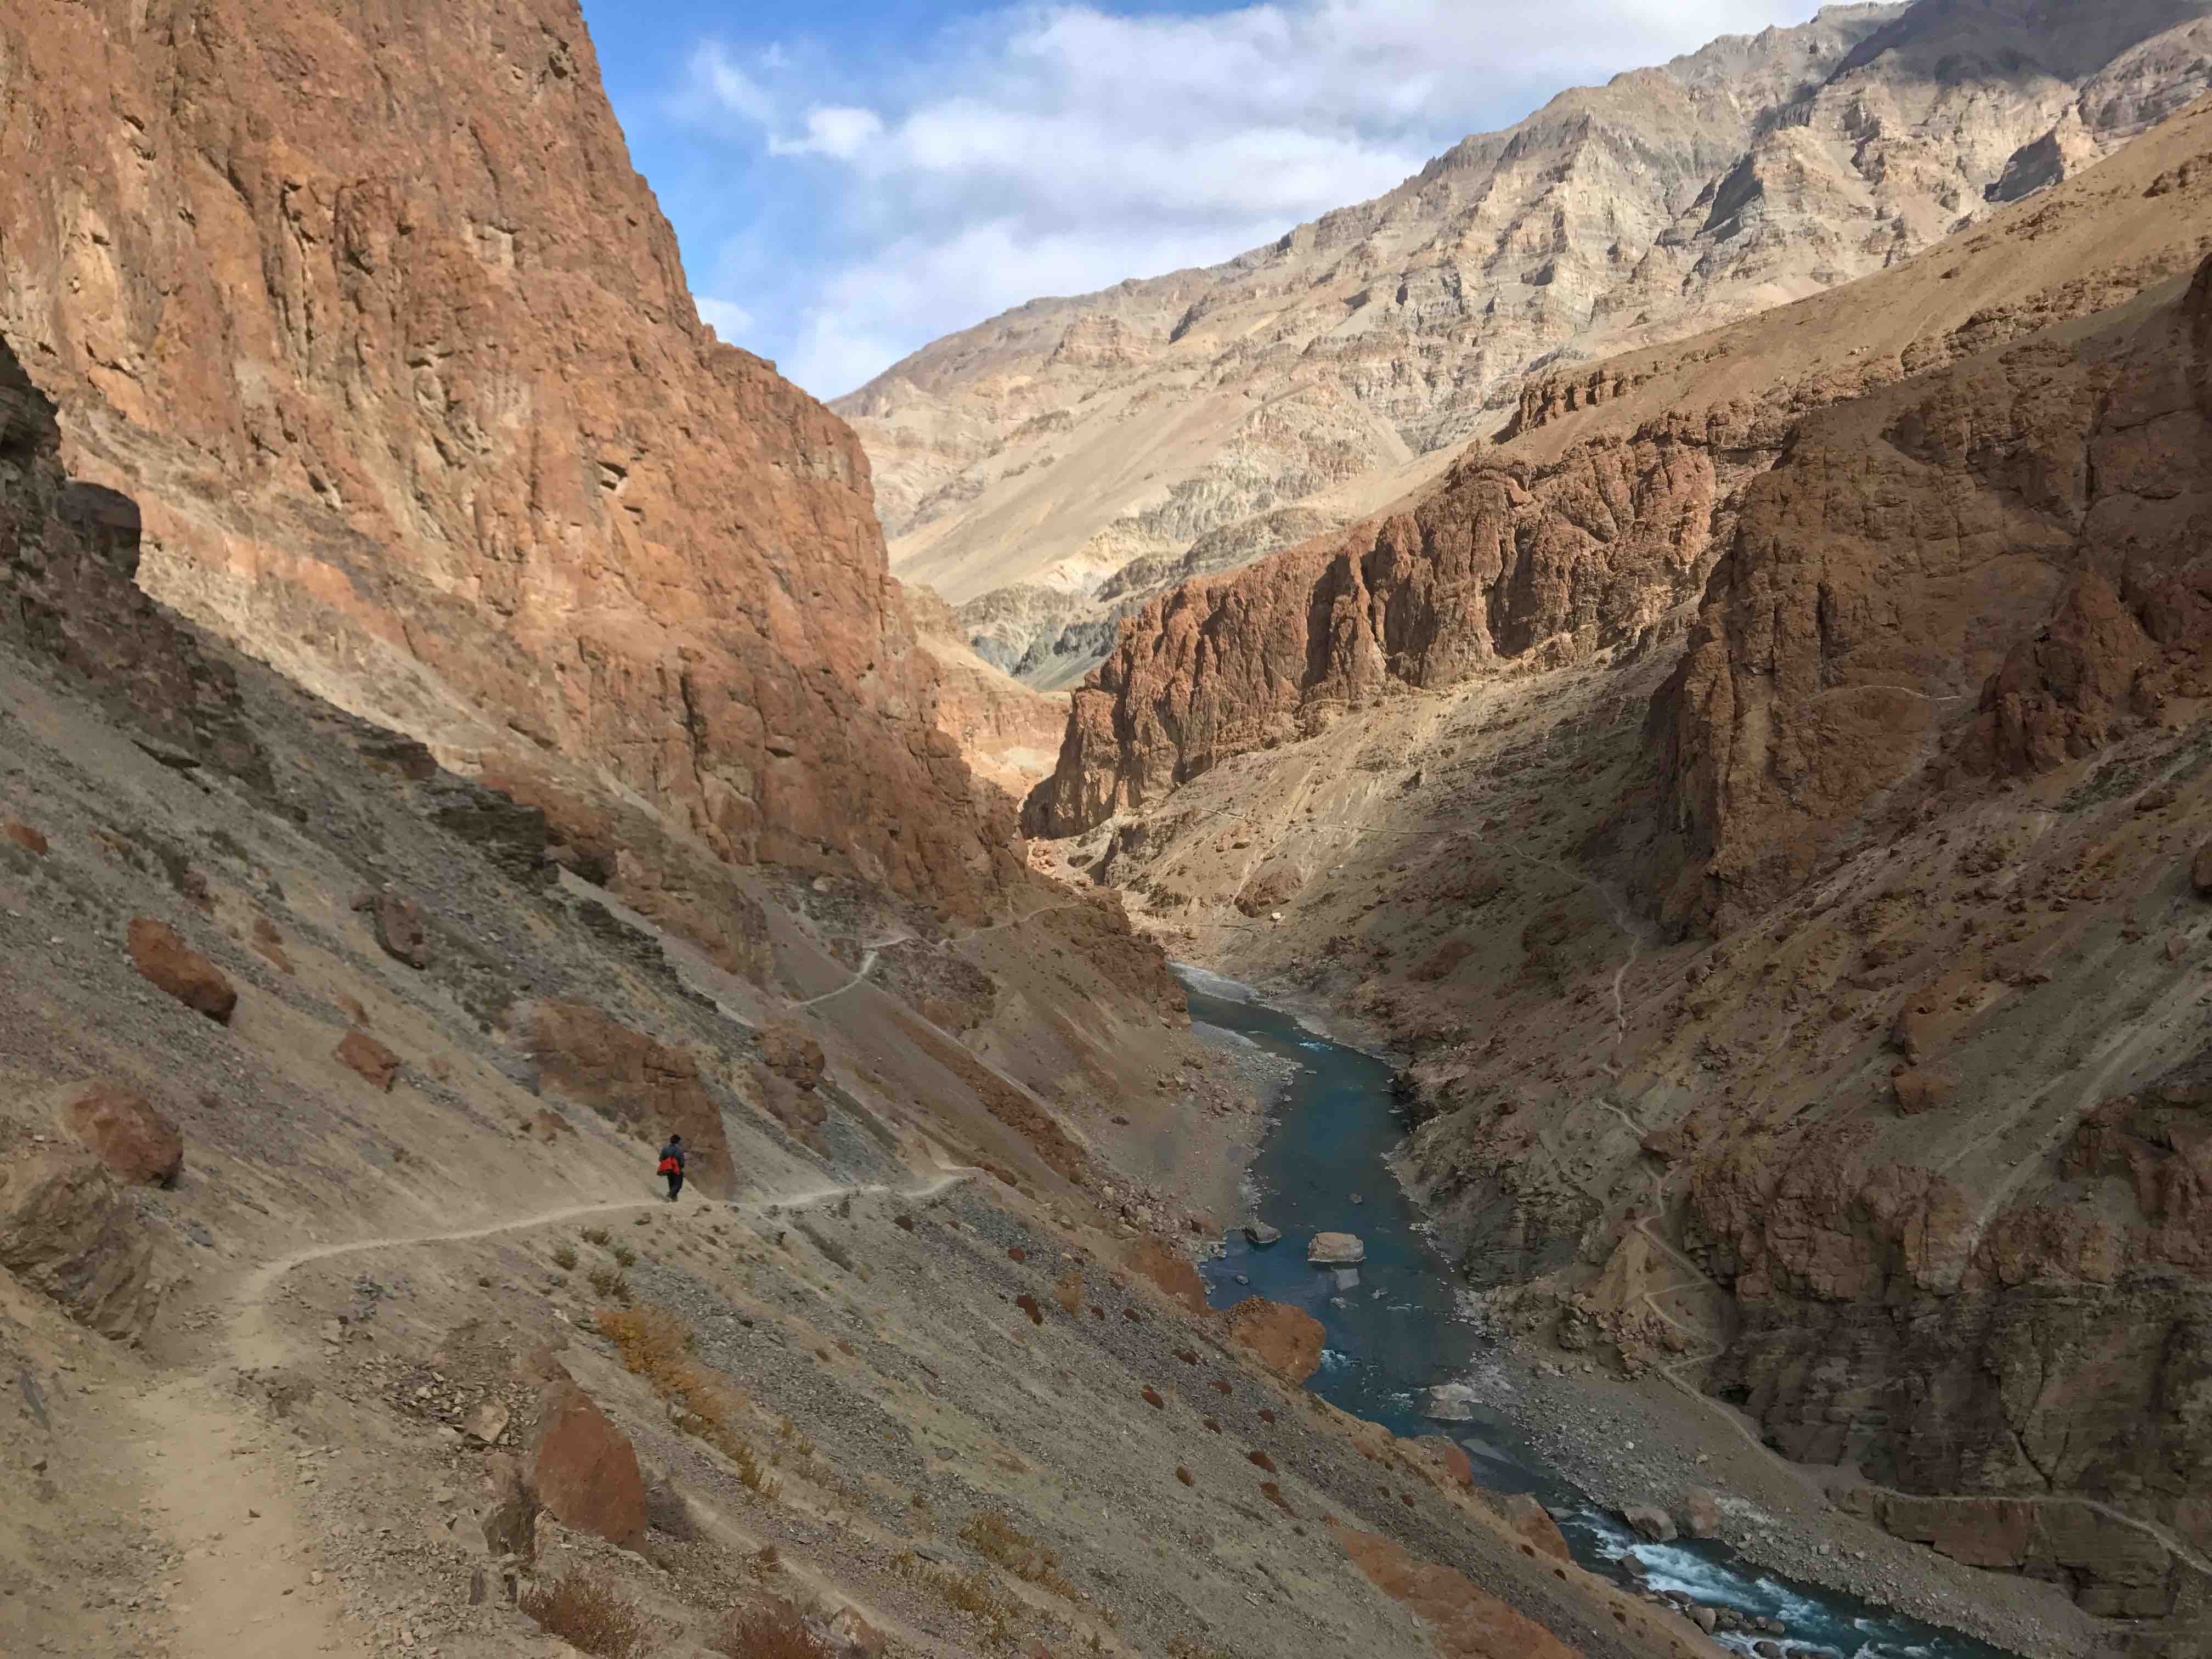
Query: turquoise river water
1395, 1328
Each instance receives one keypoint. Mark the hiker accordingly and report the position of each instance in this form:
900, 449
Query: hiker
672, 1166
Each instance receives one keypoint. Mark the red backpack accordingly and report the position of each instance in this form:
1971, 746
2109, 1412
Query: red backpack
668, 1166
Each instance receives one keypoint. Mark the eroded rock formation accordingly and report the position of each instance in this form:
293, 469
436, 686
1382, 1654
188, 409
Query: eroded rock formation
419, 411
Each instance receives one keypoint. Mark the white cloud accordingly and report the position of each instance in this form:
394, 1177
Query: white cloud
1082, 147
731, 322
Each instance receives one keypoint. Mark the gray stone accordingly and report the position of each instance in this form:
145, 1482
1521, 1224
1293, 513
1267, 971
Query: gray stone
1650, 1522
1260, 1233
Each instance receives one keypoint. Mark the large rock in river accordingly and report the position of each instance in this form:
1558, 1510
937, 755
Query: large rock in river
1336, 1250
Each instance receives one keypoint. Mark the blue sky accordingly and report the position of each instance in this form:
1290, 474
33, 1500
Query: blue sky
851, 180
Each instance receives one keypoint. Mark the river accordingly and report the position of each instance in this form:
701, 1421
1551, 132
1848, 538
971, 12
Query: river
1394, 1328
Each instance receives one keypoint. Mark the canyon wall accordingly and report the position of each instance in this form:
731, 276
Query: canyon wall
366, 307
1764, 795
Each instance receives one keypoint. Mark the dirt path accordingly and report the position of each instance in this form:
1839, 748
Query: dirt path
246, 1587
868, 960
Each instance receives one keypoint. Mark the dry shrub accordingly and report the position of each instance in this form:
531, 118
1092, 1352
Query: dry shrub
1186, 1356
1274, 1494
1016, 1253
1153, 1398
657, 1345
904, 1222
564, 1257
1213, 1427
1069, 1293
1219, 1386
623, 1253
1185, 1476
588, 1615
595, 1235
767, 1561
776, 1632
609, 1284
1260, 1460
972, 1593
994, 1538
1265, 1416
1028, 1305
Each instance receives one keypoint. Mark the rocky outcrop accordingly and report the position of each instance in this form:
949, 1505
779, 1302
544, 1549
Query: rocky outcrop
413, 400
133, 1136
632, 1080
1027, 466
70, 553
2022, 532
69, 1230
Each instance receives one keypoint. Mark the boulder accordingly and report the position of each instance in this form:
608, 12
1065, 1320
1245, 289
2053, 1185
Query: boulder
850, 1635
583, 1469
183, 972
1650, 1522
1915, 1033
1450, 1402
1170, 1269
1700, 1513
791, 1051
2200, 870
1336, 1250
1921, 1089
398, 925
365, 1054
69, 1230
509, 1514
32, 841
1287, 1341
1260, 1234
1451, 1457
132, 1137
1532, 1521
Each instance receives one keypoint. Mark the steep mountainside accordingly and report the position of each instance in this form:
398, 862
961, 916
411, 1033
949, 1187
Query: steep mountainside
340, 1314
369, 311
1025, 463
1765, 793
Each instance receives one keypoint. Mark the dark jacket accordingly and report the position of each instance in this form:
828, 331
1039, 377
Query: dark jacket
674, 1148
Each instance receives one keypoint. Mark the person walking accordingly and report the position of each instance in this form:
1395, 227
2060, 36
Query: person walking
672, 1166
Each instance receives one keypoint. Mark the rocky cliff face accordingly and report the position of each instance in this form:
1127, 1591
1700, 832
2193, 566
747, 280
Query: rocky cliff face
375, 321
1765, 791
1040, 453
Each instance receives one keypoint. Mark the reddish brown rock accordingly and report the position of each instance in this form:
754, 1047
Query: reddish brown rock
69, 1229
1526, 1518
134, 1139
183, 972
627, 1076
352, 1009
583, 1470
24, 837
2200, 870
1287, 1340
1169, 1269
793, 1053
398, 925
1918, 1089
362, 1052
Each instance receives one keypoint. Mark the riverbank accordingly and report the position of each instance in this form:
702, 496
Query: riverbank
1629, 1442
